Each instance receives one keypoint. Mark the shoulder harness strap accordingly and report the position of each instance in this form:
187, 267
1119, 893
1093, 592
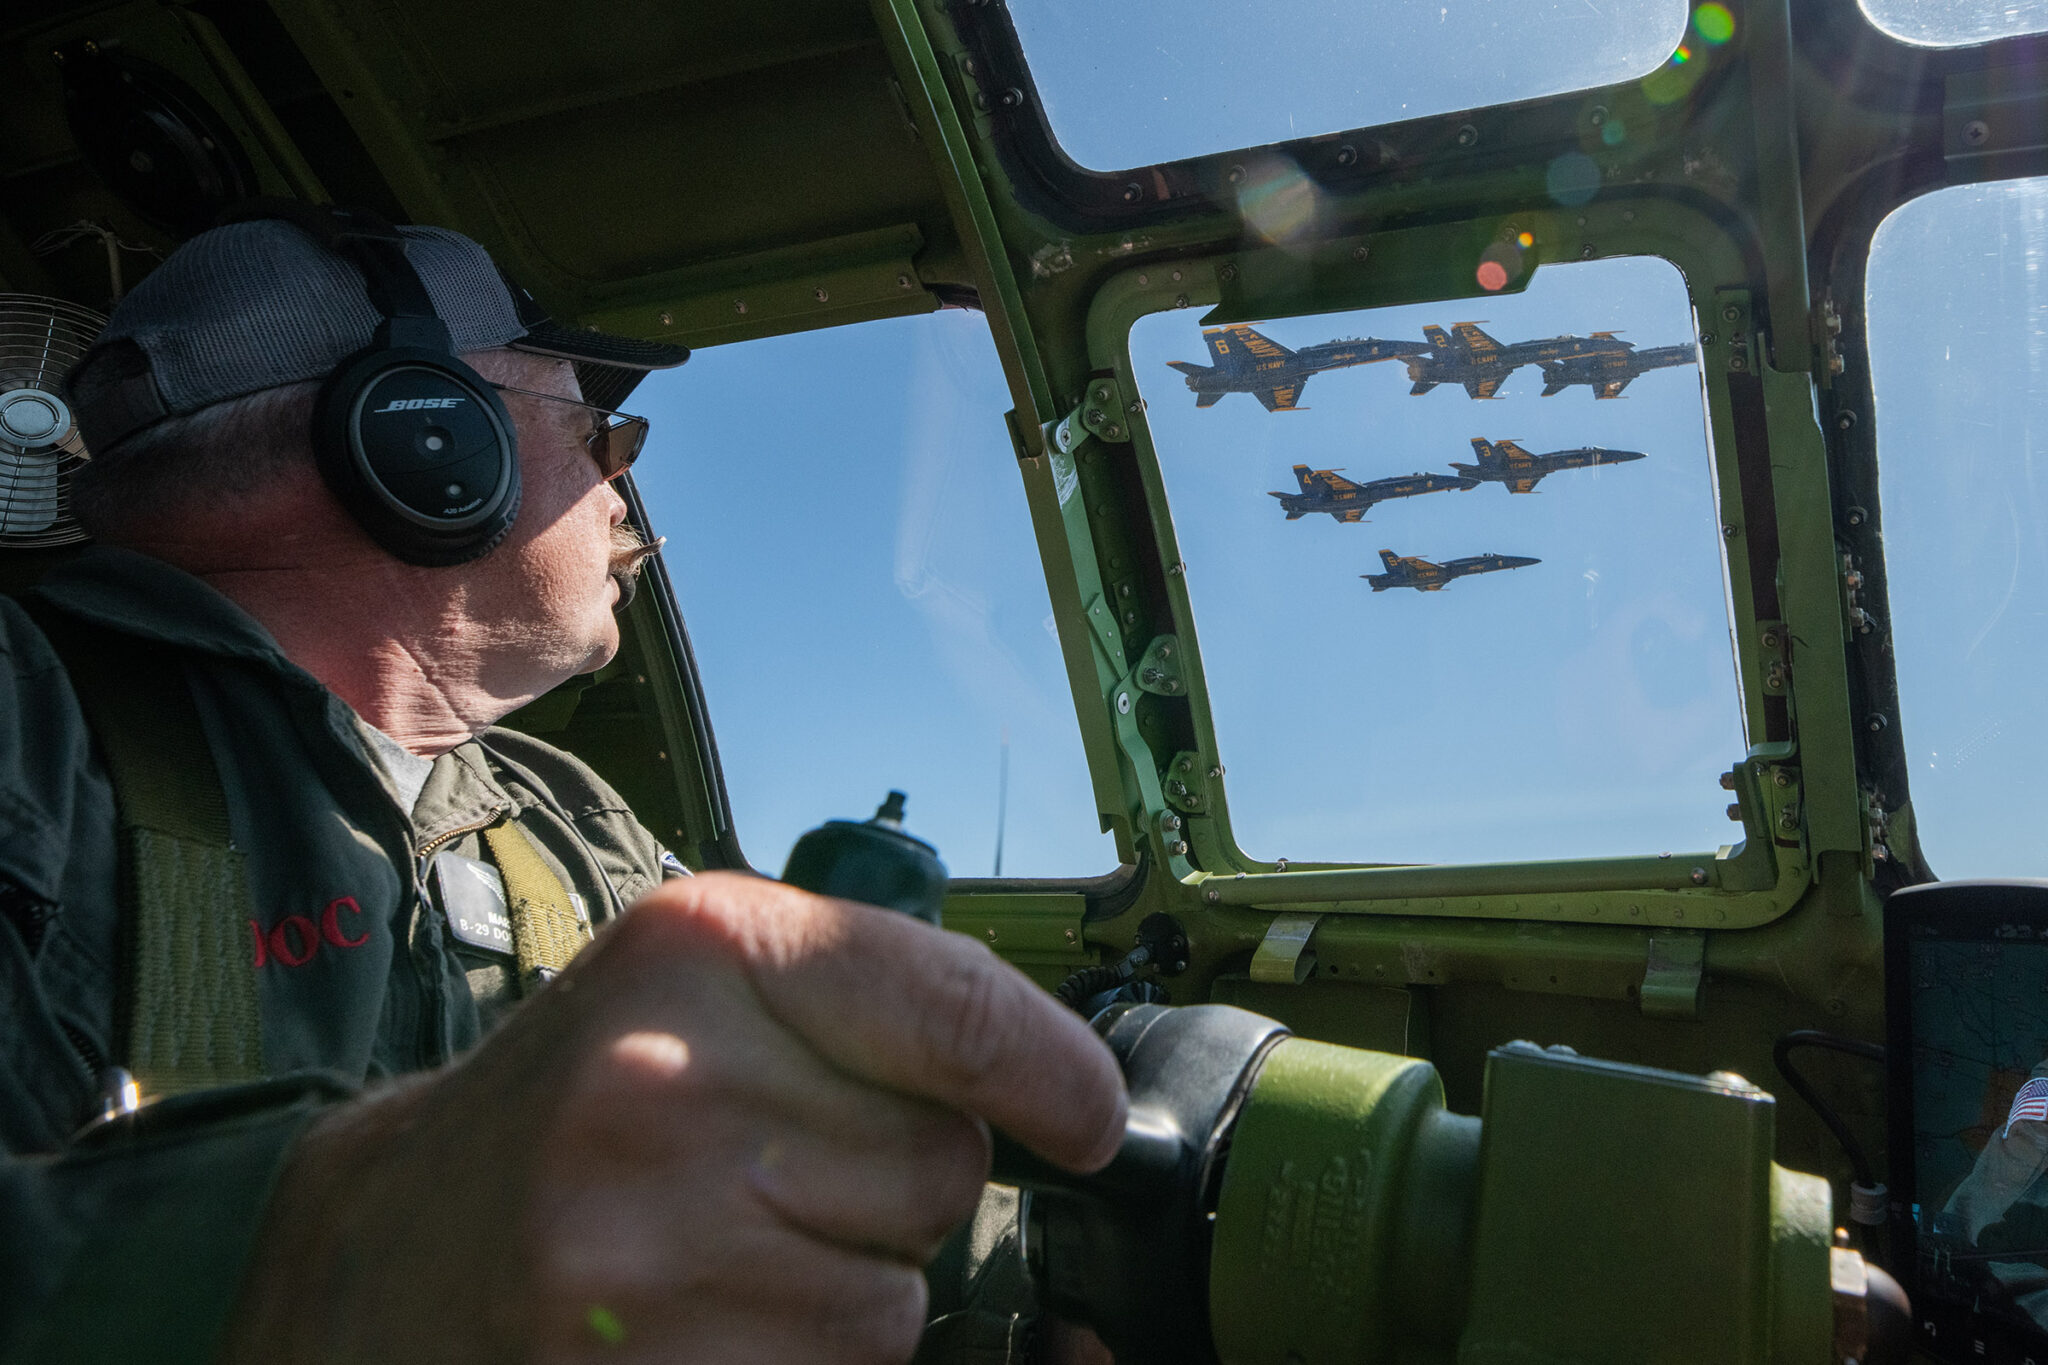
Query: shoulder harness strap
546, 930
191, 1012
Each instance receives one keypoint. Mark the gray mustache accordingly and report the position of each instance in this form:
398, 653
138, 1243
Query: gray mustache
629, 554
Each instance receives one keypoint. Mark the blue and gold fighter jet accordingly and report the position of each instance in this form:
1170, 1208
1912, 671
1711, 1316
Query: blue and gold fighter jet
1608, 371
1323, 491
1467, 355
1247, 362
1507, 464
1409, 571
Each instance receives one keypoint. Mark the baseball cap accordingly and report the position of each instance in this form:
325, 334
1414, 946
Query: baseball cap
263, 302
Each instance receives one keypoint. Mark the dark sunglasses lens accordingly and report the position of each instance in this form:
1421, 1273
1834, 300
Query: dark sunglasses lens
618, 445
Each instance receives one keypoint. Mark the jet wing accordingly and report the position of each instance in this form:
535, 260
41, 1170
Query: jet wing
1207, 398
1484, 388
1280, 399
1421, 386
1336, 482
1611, 389
1350, 516
1523, 485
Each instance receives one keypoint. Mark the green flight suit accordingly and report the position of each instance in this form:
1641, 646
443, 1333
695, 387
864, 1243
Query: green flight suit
130, 1244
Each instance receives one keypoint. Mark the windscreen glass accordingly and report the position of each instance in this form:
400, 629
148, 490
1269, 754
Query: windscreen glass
1957, 23
1451, 605
851, 548
1980, 1126
1145, 81
1958, 323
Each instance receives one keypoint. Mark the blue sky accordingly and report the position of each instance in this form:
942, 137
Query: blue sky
1958, 311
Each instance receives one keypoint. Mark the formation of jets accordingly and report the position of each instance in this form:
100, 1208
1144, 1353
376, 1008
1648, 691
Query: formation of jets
1503, 462
1246, 361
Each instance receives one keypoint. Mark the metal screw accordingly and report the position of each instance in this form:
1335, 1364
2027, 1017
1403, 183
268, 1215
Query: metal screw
1226, 272
1186, 764
1171, 685
1706, 338
1876, 722
1845, 419
982, 101
991, 935
1770, 639
1133, 192
1857, 516
1177, 847
1699, 876
1175, 569
1092, 416
1072, 937
1346, 154
1130, 618
1103, 393
1144, 279
1012, 98
1736, 362
1235, 175
1360, 252
1728, 530
1166, 651
1781, 778
1123, 703
1216, 770
739, 305
668, 319
1468, 135
820, 295
1180, 300
1597, 115
1171, 821
1113, 431
1734, 811
1135, 406
1176, 277
1731, 314
904, 282
967, 65
1212, 896
1586, 252
1976, 133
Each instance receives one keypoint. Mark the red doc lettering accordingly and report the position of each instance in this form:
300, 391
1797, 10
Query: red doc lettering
256, 932
282, 947
330, 923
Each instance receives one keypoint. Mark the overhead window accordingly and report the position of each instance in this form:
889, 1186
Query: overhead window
1959, 365
851, 548
1145, 81
1957, 23
1452, 606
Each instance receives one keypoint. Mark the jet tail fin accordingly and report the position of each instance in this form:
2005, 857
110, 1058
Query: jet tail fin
1188, 367
1208, 399
1421, 386
1552, 388
1225, 341
1306, 477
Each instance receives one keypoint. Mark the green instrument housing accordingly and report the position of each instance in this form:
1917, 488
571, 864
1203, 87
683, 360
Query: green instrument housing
1596, 1212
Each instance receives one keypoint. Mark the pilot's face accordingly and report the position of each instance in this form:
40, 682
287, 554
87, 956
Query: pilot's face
550, 583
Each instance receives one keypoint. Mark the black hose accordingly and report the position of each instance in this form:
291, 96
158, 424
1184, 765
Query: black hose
1806, 1037
1087, 983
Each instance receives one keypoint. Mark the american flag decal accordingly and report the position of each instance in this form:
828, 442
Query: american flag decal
2030, 1103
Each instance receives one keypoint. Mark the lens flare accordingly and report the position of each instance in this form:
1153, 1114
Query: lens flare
1525, 240
1498, 264
1493, 276
1613, 132
1714, 23
1278, 202
1682, 56
1572, 179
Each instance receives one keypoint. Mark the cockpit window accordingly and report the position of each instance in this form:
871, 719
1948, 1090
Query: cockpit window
1131, 84
1959, 365
851, 547
1456, 571
1956, 23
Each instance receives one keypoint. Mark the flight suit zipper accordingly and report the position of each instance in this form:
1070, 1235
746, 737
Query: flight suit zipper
432, 1006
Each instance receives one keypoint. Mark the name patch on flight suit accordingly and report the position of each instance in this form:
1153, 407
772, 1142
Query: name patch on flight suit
473, 898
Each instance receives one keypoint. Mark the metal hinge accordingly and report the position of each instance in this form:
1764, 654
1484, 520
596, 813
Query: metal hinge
1102, 413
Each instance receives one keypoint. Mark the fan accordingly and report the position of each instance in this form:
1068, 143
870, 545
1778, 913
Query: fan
40, 340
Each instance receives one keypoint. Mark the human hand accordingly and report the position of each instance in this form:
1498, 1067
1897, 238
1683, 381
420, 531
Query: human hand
731, 1131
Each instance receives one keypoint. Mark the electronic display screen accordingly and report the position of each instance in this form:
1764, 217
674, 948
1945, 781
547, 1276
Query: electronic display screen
1973, 1202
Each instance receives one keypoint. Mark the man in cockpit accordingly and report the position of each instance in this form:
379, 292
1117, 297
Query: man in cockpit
263, 845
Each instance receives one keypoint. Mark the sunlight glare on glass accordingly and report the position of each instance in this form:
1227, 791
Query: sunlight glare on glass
1959, 367
1143, 81
1956, 23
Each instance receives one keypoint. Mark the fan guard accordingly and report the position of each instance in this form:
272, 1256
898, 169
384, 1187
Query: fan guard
40, 340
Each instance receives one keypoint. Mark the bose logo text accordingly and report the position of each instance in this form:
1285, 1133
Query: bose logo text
411, 404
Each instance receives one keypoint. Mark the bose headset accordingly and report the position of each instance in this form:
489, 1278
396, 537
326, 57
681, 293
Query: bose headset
415, 444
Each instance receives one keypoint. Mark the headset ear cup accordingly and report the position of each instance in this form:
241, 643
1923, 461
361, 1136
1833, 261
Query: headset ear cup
422, 453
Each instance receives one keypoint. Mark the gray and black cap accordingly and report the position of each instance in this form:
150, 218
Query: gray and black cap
257, 304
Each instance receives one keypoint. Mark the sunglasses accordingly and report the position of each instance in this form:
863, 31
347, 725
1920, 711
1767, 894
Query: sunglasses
614, 439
